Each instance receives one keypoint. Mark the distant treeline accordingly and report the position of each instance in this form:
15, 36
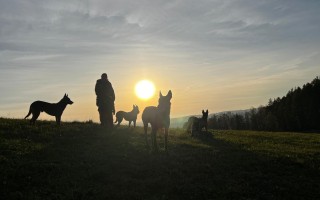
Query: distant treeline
299, 110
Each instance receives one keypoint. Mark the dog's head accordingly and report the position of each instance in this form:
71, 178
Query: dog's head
66, 99
164, 103
135, 109
205, 114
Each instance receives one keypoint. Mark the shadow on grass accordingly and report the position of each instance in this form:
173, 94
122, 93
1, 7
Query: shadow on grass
90, 162
250, 174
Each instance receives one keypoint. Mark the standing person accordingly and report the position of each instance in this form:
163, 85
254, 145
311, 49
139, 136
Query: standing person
105, 100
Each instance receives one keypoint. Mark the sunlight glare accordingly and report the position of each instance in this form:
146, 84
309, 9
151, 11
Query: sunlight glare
145, 89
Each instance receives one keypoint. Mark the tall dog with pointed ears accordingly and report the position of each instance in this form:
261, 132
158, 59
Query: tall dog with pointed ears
54, 109
158, 117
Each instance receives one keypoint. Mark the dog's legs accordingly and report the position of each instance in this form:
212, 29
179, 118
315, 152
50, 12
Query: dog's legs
154, 139
145, 126
58, 120
166, 139
129, 123
134, 123
119, 121
35, 116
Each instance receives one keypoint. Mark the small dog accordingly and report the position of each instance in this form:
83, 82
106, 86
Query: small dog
129, 116
195, 124
53, 109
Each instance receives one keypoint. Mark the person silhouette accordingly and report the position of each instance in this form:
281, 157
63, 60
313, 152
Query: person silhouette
105, 100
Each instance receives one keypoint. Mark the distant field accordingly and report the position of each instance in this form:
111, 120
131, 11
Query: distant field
85, 161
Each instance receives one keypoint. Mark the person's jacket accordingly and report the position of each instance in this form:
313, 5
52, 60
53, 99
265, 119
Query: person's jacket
105, 93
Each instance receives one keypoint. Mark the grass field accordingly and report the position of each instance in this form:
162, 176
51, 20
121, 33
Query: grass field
85, 161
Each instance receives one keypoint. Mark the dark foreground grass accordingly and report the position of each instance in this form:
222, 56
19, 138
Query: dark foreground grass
86, 161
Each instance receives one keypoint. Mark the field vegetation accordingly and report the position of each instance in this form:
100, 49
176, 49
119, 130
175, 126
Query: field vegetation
82, 160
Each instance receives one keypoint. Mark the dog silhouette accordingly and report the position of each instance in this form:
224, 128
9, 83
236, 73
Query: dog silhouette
53, 109
196, 124
158, 117
129, 116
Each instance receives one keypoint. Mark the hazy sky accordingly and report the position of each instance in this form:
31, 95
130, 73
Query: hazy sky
213, 54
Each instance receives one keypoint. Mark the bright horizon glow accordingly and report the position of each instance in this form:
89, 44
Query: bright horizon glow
216, 55
145, 89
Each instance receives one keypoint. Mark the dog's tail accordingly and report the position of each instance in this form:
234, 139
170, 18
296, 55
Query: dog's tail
28, 113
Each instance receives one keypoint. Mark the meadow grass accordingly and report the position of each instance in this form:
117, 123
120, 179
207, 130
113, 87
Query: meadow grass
86, 161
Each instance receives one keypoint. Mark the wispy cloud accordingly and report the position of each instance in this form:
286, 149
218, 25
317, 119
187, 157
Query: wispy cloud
205, 49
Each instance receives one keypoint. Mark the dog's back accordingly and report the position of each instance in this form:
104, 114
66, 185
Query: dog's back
54, 109
191, 122
49, 108
196, 124
129, 116
149, 115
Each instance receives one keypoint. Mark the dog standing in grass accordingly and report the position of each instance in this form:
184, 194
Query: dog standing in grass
53, 109
158, 117
129, 116
195, 124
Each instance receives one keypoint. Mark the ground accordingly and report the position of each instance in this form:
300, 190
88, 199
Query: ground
86, 161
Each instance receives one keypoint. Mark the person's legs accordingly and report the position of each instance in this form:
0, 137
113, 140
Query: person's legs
109, 119
106, 116
102, 115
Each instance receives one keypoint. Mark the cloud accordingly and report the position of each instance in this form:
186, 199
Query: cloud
215, 41
84, 27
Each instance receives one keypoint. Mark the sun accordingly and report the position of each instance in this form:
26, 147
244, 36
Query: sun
144, 89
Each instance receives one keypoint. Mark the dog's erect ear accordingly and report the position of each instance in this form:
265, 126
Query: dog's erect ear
65, 94
160, 94
207, 111
169, 94
202, 111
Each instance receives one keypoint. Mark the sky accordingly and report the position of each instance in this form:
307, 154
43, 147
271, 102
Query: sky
218, 55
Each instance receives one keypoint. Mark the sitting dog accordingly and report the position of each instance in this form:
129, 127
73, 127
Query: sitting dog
54, 109
195, 124
129, 116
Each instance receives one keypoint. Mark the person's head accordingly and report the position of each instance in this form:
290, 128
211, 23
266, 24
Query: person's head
104, 76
